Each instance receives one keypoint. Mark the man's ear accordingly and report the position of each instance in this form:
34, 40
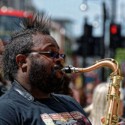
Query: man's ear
21, 62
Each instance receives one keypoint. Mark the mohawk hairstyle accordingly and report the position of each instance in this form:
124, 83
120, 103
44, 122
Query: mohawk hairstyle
22, 42
31, 25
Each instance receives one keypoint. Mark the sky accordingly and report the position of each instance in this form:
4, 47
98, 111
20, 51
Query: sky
70, 9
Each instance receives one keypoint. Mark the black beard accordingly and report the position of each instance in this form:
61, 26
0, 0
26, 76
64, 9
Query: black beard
43, 80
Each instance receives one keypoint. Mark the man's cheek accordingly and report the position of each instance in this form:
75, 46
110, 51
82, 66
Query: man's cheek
47, 64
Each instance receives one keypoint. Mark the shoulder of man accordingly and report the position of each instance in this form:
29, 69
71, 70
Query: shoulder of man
6, 102
7, 112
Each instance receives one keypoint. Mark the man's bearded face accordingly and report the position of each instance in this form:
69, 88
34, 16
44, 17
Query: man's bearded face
43, 79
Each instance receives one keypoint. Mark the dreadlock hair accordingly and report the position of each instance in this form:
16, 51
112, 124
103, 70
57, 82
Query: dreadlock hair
21, 42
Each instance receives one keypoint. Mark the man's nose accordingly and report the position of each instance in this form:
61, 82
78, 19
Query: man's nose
59, 60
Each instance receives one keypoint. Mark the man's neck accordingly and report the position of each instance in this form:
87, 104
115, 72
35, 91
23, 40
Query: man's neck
35, 92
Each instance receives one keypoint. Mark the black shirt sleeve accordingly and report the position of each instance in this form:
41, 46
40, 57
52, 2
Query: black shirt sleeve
8, 114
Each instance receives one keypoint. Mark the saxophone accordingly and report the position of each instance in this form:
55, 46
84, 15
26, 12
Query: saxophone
113, 95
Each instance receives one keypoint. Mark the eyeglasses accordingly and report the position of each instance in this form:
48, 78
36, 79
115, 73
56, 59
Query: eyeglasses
51, 54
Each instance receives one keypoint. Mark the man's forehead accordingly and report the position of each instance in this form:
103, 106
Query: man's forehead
44, 40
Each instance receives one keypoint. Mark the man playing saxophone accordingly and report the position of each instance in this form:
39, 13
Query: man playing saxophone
30, 62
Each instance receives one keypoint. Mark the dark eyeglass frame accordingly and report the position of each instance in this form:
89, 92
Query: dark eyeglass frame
51, 54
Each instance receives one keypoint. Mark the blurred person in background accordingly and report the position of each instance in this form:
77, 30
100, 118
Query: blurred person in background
4, 84
77, 84
91, 81
123, 84
1, 47
97, 110
32, 62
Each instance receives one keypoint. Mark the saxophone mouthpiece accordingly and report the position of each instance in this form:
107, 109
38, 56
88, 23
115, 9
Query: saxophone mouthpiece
68, 69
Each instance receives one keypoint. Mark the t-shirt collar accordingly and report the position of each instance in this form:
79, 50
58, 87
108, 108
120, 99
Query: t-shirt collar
22, 91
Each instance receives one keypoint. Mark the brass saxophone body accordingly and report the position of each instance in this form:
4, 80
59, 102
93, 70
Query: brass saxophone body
113, 95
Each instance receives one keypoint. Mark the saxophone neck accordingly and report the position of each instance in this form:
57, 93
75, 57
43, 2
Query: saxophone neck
108, 62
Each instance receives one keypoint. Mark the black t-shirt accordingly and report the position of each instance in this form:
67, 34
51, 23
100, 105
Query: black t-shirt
18, 109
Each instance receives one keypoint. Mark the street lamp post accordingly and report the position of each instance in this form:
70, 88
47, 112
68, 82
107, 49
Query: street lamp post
103, 39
